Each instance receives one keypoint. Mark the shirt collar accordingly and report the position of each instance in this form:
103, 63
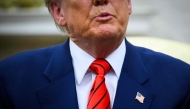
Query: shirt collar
82, 60
116, 58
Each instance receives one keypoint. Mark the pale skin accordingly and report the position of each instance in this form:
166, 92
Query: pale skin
96, 26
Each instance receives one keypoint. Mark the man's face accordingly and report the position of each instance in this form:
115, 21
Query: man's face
95, 18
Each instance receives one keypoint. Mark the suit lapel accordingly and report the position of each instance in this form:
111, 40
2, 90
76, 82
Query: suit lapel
61, 91
133, 77
126, 92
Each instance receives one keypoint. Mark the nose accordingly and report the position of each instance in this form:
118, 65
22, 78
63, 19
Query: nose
100, 2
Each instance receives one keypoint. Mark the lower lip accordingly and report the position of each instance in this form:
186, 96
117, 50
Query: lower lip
104, 18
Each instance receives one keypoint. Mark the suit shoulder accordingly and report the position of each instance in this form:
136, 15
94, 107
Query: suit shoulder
30, 58
159, 57
161, 64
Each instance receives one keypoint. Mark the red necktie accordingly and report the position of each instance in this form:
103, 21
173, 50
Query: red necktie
99, 96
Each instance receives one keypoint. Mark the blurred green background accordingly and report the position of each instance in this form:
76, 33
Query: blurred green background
20, 3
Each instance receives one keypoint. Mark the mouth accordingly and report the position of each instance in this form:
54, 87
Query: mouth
105, 16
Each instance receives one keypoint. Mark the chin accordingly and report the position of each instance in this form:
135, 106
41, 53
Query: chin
106, 31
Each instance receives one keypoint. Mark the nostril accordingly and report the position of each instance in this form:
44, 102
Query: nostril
100, 2
97, 3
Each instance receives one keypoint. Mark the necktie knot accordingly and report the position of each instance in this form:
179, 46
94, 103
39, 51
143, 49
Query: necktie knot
100, 66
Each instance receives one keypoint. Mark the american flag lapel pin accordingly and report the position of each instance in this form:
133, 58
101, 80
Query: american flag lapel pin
140, 97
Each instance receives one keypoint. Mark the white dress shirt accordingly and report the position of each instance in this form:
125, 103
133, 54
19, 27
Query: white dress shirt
84, 76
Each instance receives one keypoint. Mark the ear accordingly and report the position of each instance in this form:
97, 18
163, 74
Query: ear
129, 6
57, 13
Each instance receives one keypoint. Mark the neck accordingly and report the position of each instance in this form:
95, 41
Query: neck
98, 48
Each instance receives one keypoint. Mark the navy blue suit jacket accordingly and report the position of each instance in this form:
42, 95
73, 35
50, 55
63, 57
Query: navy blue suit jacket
44, 79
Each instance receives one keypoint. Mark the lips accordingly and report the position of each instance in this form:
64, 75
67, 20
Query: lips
104, 16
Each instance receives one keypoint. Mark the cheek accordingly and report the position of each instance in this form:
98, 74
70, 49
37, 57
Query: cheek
120, 7
122, 12
77, 23
77, 17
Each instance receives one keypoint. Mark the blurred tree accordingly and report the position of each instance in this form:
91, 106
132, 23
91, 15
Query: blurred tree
30, 3
21, 3
7, 3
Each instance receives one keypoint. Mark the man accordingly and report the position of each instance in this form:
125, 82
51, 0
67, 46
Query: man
95, 59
